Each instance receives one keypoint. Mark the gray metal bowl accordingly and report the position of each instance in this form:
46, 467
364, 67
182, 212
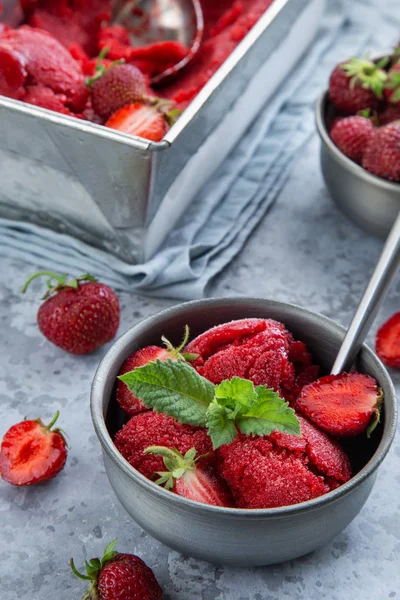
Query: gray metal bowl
371, 202
236, 536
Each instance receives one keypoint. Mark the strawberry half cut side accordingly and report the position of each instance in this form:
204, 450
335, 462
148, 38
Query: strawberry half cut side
187, 477
388, 341
343, 405
32, 452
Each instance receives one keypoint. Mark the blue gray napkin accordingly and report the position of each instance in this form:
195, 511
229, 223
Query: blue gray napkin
244, 188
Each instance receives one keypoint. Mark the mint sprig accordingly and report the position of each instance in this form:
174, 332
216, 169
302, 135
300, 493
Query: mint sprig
177, 390
172, 388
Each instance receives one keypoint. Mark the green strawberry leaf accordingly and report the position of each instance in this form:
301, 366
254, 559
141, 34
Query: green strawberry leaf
269, 413
172, 388
220, 425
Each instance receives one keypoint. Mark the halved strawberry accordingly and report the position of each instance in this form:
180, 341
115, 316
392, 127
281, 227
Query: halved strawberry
126, 399
343, 405
31, 452
141, 120
388, 341
188, 477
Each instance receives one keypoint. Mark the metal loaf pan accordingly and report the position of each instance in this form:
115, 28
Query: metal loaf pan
122, 193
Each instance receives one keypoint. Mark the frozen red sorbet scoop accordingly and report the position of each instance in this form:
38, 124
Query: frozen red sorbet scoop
281, 469
261, 350
36, 68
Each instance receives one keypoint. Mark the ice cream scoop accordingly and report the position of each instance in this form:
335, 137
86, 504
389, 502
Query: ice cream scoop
151, 21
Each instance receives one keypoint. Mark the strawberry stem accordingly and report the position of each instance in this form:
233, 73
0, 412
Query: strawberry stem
59, 278
176, 463
53, 421
177, 352
60, 282
76, 572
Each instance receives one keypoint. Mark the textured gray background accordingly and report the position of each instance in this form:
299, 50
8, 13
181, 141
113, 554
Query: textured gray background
304, 252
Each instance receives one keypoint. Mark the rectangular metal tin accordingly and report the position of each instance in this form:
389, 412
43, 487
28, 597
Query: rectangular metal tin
122, 193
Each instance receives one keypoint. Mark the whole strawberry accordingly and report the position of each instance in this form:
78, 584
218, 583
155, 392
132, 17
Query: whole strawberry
382, 154
357, 84
390, 113
128, 401
79, 315
119, 85
119, 577
32, 452
351, 136
392, 86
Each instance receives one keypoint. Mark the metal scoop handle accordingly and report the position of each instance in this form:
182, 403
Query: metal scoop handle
372, 299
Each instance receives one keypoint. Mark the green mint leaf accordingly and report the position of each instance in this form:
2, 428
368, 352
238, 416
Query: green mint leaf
172, 388
269, 413
237, 390
221, 428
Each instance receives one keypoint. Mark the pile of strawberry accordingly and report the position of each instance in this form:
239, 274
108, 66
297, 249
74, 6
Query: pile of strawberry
209, 420
365, 96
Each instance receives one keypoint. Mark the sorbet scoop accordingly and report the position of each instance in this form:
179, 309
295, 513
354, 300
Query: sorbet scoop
374, 294
150, 21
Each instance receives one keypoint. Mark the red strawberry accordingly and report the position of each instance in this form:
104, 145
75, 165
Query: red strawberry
139, 119
80, 315
382, 154
187, 476
118, 86
119, 577
32, 452
351, 136
343, 405
390, 113
357, 84
126, 399
388, 341
392, 86
151, 428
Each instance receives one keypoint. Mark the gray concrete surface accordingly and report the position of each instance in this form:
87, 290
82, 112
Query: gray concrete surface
305, 252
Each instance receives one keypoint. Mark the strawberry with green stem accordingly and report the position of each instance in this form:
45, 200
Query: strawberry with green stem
118, 577
357, 84
392, 85
126, 399
116, 86
78, 315
188, 476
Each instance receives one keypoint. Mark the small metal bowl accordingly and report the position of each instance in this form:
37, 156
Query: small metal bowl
231, 536
370, 202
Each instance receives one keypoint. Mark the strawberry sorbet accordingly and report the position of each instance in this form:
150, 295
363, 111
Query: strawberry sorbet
262, 469
44, 61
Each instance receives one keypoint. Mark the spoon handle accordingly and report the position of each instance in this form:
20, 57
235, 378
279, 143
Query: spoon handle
374, 294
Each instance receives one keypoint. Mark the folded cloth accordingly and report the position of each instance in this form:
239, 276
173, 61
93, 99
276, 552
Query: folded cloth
217, 224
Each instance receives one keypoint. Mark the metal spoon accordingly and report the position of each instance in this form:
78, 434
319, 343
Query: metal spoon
149, 21
374, 294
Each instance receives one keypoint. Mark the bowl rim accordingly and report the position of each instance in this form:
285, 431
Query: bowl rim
349, 164
107, 444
